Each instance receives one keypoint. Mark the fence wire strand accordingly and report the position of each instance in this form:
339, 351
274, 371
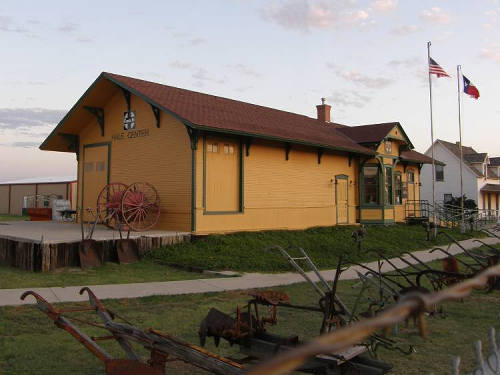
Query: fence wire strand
409, 305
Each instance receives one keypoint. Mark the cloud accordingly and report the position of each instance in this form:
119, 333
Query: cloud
199, 73
84, 39
444, 35
405, 63
180, 65
16, 118
304, 15
436, 16
8, 25
25, 144
404, 30
491, 52
68, 28
366, 81
197, 41
243, 88
37, 83
244, 69
385, 5
348, 98
180, 35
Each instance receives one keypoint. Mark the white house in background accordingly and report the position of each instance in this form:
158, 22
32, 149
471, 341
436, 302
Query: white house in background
480, 175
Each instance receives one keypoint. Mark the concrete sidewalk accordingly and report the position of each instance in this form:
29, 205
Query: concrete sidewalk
10, 297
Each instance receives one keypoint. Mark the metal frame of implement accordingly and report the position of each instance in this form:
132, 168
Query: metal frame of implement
162, 347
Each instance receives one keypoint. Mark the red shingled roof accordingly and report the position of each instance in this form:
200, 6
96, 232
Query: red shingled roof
373, 133
211, 112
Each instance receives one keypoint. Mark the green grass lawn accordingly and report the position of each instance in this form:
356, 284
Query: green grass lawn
31, 343
242, 252
110, 273
13, 218
245, 251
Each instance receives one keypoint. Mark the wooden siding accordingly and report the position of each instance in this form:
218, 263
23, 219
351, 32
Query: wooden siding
369, 214
282, 194
57, 189
159, 156
17, 194
4, 199
389, 214
95, 173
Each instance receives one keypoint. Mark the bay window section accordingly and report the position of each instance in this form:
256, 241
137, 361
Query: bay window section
370, 184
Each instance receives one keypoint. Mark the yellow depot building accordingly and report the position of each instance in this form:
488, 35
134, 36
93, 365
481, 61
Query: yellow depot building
222, 165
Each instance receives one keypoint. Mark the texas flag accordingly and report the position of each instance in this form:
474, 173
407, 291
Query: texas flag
470, 89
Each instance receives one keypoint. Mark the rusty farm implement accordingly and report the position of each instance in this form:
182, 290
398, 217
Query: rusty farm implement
248, 326
131, 208
162, 347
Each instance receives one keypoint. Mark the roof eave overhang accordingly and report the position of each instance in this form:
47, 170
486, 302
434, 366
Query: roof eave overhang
228, 131
55, 132
189, 124
280, 139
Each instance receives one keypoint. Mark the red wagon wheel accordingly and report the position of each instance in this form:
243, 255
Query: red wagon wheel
109, 204
140, 206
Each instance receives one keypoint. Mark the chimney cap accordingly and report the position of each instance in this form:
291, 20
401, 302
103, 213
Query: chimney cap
323, 100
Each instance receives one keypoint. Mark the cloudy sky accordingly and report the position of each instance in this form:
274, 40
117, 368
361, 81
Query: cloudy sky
367, 57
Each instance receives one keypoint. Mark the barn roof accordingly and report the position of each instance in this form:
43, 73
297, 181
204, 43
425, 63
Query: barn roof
41, 180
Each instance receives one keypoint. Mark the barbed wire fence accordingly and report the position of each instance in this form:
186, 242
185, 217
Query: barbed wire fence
410, 305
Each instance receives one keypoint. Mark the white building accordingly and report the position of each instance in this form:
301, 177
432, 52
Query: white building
480, 175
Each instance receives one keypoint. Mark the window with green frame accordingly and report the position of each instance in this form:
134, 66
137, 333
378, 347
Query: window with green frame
370, 184
398, 188
388, 185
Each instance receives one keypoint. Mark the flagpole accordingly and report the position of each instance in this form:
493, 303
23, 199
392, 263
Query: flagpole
459, 71
432, 143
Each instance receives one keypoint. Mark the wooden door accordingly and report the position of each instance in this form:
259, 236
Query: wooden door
95, 176
222, 175
412, 205
341, 200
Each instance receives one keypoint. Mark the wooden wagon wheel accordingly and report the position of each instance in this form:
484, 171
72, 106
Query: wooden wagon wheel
140, 206
109, 204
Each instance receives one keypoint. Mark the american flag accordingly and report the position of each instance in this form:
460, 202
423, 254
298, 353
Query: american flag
435, 68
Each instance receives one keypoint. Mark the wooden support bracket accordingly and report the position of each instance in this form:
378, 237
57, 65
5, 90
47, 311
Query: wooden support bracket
288, 147
248, 143
156, 113
126, 94
193, 137
320, 155
74, 143
99, 115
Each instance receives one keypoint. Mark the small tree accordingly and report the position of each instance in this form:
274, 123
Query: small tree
469, 204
